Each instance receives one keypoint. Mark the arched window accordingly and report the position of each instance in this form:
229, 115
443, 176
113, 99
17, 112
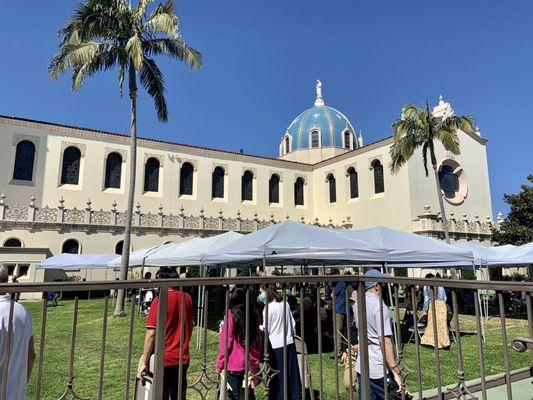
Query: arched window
70, 171
354, 184
299, 192
113, 171
347, 140
217, 187
12, 242
332, 188
24, 160
315, 139
287, 145
71, 246
119, 247
151, 175
247, 187
273, 189
186, 178
379, 185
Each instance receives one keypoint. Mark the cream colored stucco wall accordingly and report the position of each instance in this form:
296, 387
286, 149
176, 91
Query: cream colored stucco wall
473, 159
312, 156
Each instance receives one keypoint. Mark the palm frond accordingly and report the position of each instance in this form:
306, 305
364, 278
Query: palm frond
152, 80
450, 140
174, 48
72, 56
135, 51
140, 11
163, 20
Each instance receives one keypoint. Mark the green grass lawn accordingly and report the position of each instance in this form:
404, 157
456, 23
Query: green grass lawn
88, 350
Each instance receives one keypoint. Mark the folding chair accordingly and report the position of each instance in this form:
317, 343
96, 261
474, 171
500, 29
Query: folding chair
420, 326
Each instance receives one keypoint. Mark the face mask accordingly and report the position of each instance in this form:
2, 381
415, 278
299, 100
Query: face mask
261, 297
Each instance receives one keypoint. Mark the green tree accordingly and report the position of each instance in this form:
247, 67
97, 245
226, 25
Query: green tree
108, 34
517, 228
419, 129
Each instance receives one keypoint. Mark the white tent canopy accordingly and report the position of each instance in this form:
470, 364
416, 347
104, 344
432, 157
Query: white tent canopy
137, 257
190, 252
68, 261
519, 255
401, 247
294, 243
484, 255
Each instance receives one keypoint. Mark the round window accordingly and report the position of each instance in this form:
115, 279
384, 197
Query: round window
452, 180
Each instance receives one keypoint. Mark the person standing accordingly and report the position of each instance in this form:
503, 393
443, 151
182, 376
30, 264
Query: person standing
22, 351
377, 341
235, 337
176, 347
350, 377
280, 318
339, 296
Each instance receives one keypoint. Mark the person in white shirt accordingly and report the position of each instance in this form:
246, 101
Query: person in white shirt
279, 315
376, 341
22, 354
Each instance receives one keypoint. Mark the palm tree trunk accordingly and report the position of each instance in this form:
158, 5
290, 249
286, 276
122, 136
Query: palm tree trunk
453, 272
441, 206
119, 308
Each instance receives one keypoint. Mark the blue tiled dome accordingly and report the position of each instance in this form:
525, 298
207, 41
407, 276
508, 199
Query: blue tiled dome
330, 122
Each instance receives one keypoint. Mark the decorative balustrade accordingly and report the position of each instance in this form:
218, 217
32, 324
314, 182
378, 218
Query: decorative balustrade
427, 224
430, 224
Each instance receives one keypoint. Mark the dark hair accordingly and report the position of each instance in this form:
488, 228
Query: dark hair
168, 273
148, 275
237, 307
429, 276
271, 294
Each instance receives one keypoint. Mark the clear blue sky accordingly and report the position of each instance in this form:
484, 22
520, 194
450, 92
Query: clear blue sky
262, 59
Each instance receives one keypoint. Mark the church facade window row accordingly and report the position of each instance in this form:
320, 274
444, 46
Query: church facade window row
23, 170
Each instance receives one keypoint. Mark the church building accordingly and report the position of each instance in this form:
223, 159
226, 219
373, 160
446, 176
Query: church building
64, 188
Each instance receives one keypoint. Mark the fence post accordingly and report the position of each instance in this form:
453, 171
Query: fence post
160, 335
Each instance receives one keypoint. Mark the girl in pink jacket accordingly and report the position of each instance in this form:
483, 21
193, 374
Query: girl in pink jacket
235, 330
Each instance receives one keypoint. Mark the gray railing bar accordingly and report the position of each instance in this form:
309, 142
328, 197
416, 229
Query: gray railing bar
103, 346
224, 389
44, 313
382, 339
349, 322
460, 389
319, 325
530, 319
160, 336
505, 348
182, 332
246, 280
417, 341
285, 386
436, 341
130, 345
266, 355
7, 353
363, 341
335, 341
302, 341
480, 339
247, 346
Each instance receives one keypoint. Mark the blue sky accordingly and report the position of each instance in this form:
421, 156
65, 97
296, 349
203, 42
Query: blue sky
262, 59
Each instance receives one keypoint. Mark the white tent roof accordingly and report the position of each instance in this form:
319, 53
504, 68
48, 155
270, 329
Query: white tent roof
190, 252
294, 243
518, 255
404, 247
484, 254
137, 257
68, 261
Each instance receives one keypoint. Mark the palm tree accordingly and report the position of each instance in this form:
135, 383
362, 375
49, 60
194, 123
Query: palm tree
106, 34
419, 128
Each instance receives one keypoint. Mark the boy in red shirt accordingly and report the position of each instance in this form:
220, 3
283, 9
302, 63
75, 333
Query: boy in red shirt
174, 356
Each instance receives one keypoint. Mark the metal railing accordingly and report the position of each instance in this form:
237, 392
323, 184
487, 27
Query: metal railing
313, 383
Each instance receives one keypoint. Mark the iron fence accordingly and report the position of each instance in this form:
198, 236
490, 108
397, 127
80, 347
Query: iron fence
399, 294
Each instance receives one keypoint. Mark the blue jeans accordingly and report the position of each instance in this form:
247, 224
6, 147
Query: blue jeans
377, 389
235, 379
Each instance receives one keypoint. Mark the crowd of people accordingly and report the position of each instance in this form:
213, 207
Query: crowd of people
275, 314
